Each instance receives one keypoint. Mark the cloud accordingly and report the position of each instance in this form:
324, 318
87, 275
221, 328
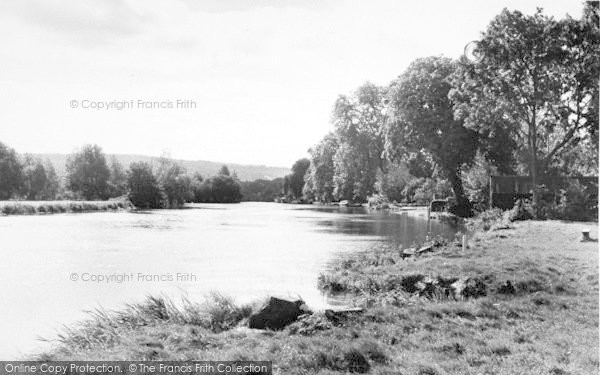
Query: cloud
84, 21
221, 6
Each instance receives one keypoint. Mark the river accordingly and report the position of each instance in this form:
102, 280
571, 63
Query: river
54, 267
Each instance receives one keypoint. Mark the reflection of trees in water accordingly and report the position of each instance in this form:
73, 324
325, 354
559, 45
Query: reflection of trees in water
402, 229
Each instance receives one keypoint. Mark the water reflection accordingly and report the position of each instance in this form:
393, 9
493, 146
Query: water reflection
401, 228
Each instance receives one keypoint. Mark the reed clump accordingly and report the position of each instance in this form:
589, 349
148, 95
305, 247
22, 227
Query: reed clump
56, 207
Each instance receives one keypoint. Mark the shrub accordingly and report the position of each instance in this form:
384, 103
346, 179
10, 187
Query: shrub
521, 211
431, 188
488, 219
575, 202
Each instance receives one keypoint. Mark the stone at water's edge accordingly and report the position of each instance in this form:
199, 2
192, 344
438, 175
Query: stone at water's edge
277, 314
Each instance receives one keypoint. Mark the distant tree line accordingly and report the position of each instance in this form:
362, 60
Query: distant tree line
526, 102
26, 176
89, 176
262, 190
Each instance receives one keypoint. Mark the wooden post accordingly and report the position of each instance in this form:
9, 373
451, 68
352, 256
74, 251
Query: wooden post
586, 234
464, 242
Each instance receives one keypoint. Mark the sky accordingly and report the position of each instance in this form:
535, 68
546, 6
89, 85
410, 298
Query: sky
238, 81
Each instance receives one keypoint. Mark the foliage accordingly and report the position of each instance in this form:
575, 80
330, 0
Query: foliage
144, 190
476, 180
419, 164
430, 189
286, 185
261, 190
349, 181
393, 182
40, 181
117, 182
218, 189
224, 171
575, 202
358, 120
88, 173
294, 182
422, 119
535, 83
174, 182
319, 177
11, 174
579, 160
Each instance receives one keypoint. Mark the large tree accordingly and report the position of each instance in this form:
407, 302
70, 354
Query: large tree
422, 119
358, 120
296, 178
34, 177
88, 173
117, 182
319, 177
143, 187
174, 182
535, 80
39, 179
11, 173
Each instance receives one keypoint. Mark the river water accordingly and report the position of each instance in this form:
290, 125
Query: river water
53, 267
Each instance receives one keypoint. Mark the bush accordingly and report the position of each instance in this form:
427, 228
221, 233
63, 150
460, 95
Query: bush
430, 188
521, 211
575, 203
488, 219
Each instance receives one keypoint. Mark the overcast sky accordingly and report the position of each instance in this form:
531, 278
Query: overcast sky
263, 74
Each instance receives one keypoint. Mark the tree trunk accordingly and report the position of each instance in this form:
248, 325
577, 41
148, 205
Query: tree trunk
534, 181
463, 206
533, 166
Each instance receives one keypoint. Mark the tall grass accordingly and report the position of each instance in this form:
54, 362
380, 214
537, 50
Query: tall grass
55, 207
216, 314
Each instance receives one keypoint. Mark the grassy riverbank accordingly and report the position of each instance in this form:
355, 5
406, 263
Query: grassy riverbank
55, 207
545, 321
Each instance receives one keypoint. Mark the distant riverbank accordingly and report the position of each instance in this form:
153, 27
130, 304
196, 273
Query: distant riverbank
524, 299
66, 206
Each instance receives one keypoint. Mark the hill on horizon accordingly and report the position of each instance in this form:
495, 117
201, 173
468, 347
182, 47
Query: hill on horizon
205, 168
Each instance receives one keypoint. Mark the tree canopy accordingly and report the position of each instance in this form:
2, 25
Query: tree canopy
11, 174
422, 119
535, 82
88, 173
144, 190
